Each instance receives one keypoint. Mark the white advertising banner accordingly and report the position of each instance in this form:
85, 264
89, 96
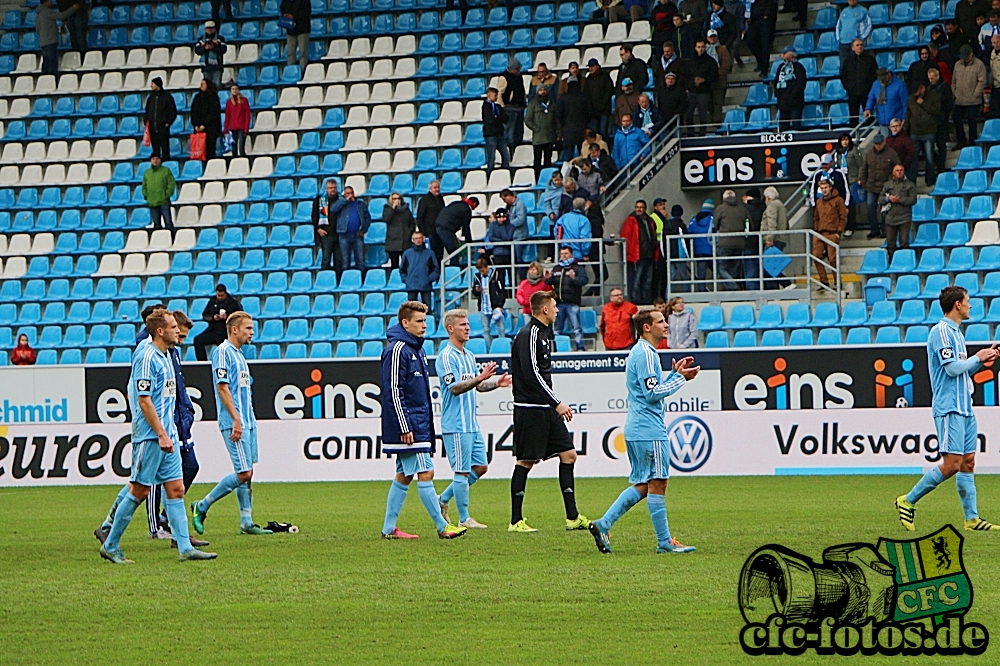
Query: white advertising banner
33, 394
860, 441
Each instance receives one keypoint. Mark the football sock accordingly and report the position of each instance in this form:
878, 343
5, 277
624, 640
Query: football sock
657, 505
223, 488
393, 505
152, 508
244, 497
114, 507
473, 477
430, 499
567, 485
928, 482
449, 492
517, 483
966, 484
179, 523
461, 491
629, 498
123, 516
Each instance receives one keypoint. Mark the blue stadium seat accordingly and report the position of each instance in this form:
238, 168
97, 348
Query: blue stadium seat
928, 235
711, 318
859, 336
980, 208
772, 338
977, 333
96, 356
912, 312
970, 281
945, 185
744, 339
801, 337
888, 335
907, 287
931, 260
933, 286
991, 285
826, 19
974, 182
769, 316
874, 263
855, 314
903, 261
371, 349
883, 313
970, 157
717, 339
741, 316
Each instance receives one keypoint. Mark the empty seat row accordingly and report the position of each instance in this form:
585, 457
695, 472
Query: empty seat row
885, 335
932, 260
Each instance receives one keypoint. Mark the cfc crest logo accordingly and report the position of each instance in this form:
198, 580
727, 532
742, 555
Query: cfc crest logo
947, 353
142, 384
690, 443
650, 383
221, 373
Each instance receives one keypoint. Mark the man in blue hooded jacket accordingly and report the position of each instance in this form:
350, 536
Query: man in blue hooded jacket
408, 421
887, 99
629, 142
702, 223
353, 220
573, 226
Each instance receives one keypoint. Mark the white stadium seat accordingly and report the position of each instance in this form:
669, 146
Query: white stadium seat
111, 264
213, 191
339, 48
262, 167
19, 244
158, 264
184, 239
287, 143
159, 240
15, 267
134, 264
361, 47
137, 241
137, 59
214, 169
114, 60
211, 215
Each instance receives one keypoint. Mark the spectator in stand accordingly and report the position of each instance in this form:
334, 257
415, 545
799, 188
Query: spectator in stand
667, 60
428, 209
853, 23
683, 327
353, 220
732, 220
956, 39
572, 74
988, 31
206, 115
23, 353
542, 120
774, 221
723, 23
994, 78
676, 250
753, 244
627, 100
828, 171
922, 112
325, 225
489, 286
702, 223
455, 217
719, 53
589, 137
237, 120
900, 141
77, 24
740, 12
647, 117
494, 131
551, 204
790, 89
641, 252
573, 114
829, 221
602, 162
967, 83
299, 11
966, 12
858, 71
499, 231
702, 72
673, 99
886, 99
517, 215
211, 47
399, 226
574, 226
898, 196
161, 112
567, 281
600, 92
590, 179
943, 89
662, 21
514, 99
695, 13
632, 68
615, 322
683, 37
158, 185
939, 39
848, 160
604, 11
534, 280
760, 32
629, 142
940, 57
543, 77
875, 171
917, 73
659, 217
216, 310
635, 9
419, 269
218, 6
571, 190
48, 33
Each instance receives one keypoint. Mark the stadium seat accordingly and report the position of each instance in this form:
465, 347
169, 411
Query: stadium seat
717, 339
772, 338
859, 336
744, 339
800, 337
931, 260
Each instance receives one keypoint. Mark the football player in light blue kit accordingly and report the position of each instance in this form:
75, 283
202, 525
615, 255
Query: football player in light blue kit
463, 441
234, 403
950, 369
646, 434
152, 396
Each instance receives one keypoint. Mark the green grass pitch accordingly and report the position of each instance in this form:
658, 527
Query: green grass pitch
337, 594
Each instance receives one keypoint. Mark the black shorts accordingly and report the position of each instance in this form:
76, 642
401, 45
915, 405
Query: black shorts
539, 434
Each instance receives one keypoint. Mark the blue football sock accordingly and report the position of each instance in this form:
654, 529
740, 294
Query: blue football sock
448, 493
473, 477
114, 507
123, 516
629, 498
223, 488
394, 504
244, 497
430, 499
461, 485
178, 523
966, 484
928, 482
657, 505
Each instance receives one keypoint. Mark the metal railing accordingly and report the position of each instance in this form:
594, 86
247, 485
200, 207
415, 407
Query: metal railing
626, 173
752, 273
456, 289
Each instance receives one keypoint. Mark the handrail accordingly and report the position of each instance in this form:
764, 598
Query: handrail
626, 173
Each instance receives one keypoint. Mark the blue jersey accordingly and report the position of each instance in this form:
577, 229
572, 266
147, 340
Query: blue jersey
153, 376
230, 367
458, 412
647, 389
951, 395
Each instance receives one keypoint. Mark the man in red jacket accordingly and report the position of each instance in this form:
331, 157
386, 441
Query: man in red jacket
616, 322
642, 251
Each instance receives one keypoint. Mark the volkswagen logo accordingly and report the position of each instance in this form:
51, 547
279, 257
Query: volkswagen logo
690, 443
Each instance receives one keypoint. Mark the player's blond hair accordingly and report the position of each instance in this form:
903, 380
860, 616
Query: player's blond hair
157, 319
236, 319
452, 316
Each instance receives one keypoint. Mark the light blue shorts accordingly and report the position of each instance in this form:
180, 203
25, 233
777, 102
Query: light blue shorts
465, 450
650, 460
956, 433
152, 465
242, 453
409, 464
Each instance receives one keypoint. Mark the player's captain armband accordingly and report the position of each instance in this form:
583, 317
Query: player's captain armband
170, 388
142, 385
221, 373
650, 383
947, 353
449, 379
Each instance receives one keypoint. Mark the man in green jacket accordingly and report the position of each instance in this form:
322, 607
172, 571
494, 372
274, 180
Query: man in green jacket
158, 186
544, 125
